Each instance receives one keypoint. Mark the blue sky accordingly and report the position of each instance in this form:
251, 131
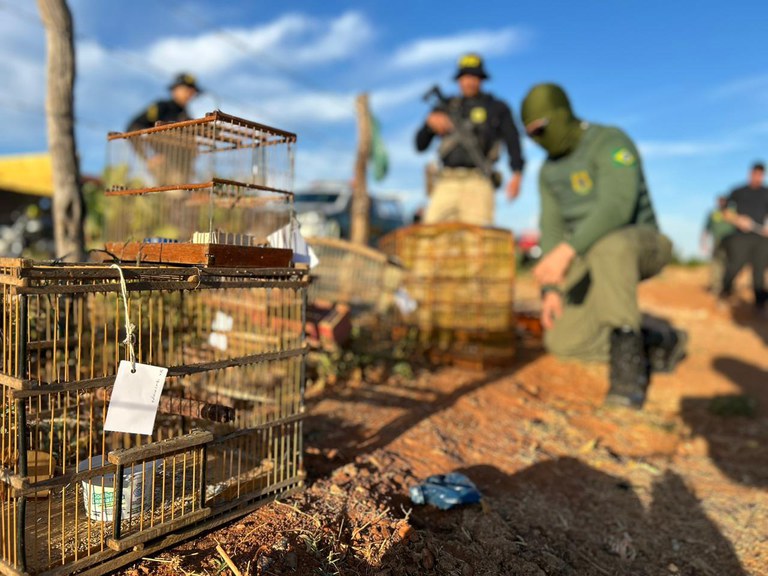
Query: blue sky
687, 81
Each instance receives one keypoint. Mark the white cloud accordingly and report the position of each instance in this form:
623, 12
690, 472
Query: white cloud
290, 41
22, 94
683, 148
302, 107
397, 95
293, 110
343, 37
752, 85
223, 49
448, 48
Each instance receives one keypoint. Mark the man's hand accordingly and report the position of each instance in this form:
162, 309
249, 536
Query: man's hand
745, 223
551, 309
741, 221
440, 123
513, 186
552, 268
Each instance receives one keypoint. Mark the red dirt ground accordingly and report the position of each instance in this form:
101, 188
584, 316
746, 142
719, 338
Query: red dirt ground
569, 487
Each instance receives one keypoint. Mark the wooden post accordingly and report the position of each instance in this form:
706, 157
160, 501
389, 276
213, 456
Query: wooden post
360, 225
68, 205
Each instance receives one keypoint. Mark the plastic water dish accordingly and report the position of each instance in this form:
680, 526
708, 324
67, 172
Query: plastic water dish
99, 491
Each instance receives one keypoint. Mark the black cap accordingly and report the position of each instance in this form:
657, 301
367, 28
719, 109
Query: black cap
185, 79
471, 63
758, 166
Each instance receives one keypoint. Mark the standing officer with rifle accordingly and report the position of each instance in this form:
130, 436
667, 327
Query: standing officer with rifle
471, 127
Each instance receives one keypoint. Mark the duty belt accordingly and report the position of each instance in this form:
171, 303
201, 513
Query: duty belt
462, 172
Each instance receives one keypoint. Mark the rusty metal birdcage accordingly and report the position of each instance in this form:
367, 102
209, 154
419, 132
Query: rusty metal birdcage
218, 180
228, 431
461, 280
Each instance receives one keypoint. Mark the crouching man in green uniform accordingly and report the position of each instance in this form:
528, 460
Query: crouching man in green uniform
600, 238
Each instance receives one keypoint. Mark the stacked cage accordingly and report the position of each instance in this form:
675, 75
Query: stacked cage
208, 190
198, 291
461, 280
228, 432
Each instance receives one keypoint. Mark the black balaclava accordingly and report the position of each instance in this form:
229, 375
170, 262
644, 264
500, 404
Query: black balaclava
562, 129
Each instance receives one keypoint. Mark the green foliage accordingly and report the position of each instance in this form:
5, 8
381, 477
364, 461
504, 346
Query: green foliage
93, 195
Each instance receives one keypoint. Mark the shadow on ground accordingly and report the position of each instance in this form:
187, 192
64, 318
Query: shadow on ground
562, 517
735, 426
744, 314
333, 442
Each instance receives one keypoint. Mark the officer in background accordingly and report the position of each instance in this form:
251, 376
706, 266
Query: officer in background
183, 90
716, 229
748, 211
167, 163
464, 188
599, 238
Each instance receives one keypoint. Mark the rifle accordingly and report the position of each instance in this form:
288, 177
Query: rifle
464, 135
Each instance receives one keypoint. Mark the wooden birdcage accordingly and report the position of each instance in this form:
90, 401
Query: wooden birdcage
227, 436
213, 181
360, 276
461, 279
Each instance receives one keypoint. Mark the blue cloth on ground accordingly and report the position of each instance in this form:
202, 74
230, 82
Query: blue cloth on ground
445, 491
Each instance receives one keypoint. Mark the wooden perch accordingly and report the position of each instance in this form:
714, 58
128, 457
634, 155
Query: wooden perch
188, 407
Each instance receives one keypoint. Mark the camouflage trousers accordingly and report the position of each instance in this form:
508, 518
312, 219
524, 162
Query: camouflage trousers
601, 291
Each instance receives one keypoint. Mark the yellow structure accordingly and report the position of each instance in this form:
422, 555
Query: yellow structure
27, 174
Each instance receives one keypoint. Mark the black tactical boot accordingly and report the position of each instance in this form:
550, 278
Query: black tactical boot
629, 370
665, 349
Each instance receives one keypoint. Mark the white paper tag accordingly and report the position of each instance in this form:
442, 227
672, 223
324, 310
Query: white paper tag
289, 236
222, 322
302, 252
218, 341
135, 396
404, 302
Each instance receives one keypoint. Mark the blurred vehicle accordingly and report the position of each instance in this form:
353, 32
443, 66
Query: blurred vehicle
325, 209
528, 247
28, 232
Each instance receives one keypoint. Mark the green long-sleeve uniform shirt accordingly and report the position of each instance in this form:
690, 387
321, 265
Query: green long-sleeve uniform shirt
595, 189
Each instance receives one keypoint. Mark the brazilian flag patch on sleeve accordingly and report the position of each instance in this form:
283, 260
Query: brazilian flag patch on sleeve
623, 157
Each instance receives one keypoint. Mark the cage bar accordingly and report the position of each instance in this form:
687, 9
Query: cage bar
360, 276
186, 154
462, 279
216, 180
228, 433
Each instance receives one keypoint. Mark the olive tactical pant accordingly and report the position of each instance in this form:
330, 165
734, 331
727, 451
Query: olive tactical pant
461, 195
601, 291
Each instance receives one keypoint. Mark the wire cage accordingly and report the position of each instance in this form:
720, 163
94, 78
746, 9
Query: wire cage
216, 180
461, 278
219, 212
360, 276
195, 152
227, 436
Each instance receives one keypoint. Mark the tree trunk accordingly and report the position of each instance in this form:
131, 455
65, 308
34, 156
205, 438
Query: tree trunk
361, 203
68, 206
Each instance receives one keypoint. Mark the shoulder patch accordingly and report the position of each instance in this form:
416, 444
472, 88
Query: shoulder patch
153, 113
623, 157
